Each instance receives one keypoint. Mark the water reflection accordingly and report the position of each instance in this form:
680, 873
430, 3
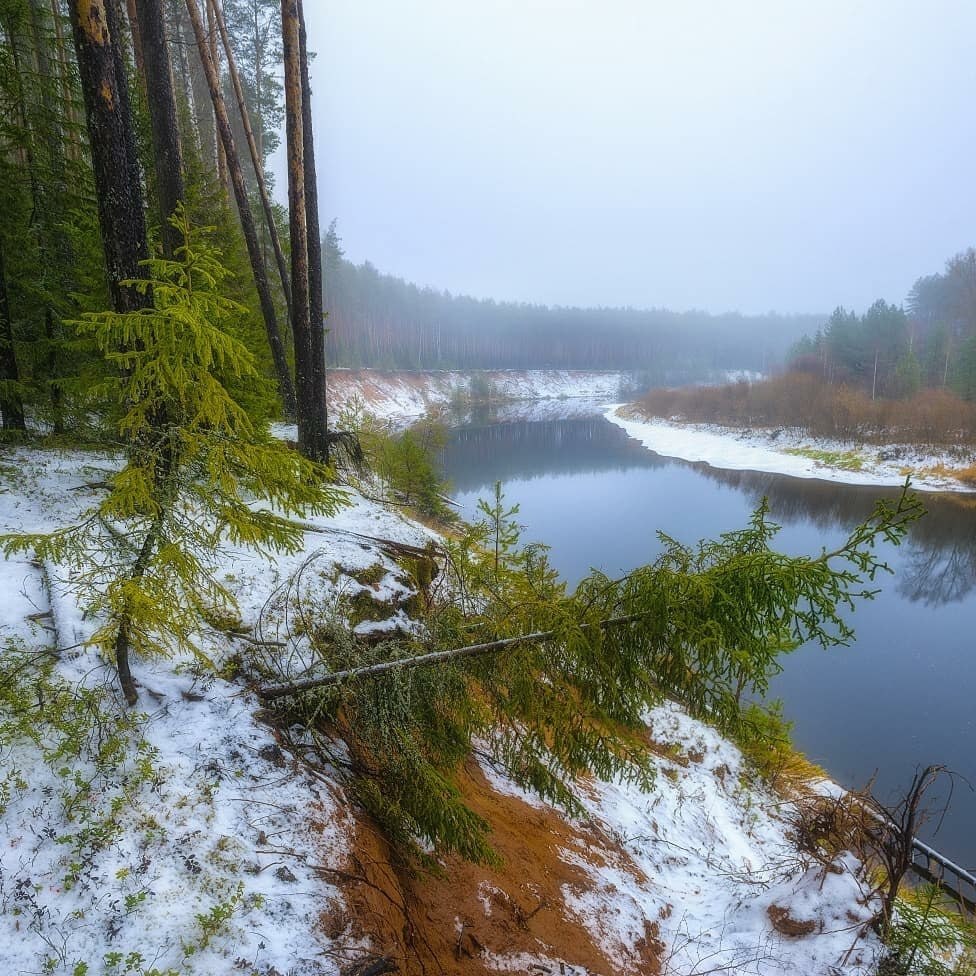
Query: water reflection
939, 559
937, 565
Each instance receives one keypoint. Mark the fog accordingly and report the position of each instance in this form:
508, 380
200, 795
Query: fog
720, 156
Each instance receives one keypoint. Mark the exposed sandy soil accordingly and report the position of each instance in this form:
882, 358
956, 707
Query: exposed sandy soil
462, 920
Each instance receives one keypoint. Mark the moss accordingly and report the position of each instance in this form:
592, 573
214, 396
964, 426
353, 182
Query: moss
364, 606
845, 460
370, 576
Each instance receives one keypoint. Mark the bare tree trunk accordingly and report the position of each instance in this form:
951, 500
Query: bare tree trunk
137, 42
319, 434
285, 386
215, 60
55, 247
300, 321
167, 152
306, 305
117, 187
116, 168
11, 406
256, 159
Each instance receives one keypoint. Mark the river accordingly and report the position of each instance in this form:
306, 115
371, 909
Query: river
903, 695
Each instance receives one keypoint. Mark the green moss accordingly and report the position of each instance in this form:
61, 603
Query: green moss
845, 460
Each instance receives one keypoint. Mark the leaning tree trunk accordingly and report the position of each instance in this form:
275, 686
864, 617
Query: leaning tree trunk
285, 386
319, 444
256, 160
161, 99
11, 407
312, 437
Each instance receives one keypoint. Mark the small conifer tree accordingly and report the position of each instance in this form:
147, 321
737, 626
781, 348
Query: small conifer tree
198, 470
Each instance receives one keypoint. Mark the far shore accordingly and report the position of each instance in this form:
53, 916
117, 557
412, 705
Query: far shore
781, 451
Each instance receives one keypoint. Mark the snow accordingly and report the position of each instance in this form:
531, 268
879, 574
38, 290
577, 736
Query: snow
224, 805
712, 855
767, 450
701, 859
395, 395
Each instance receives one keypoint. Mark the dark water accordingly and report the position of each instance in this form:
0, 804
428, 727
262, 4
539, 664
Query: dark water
902, 696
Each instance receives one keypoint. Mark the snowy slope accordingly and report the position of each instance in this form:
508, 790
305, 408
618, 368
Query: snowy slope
227, 850
402, 393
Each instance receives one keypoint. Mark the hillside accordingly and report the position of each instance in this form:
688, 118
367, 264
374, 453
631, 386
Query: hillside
213, 843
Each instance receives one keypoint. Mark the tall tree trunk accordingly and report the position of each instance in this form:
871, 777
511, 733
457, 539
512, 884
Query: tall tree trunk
285, 386
117, 187
215, 60
115, 165
256, 159
300, 321
319, 442
49, 200
137, 41
167, 152
11, 407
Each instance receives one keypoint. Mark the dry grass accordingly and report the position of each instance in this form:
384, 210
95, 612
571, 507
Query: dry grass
804, 402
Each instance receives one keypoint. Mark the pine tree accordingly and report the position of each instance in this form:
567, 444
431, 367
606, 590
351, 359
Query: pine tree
186, 485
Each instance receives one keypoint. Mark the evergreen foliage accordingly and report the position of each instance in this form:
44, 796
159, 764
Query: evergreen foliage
196, 463
705, 624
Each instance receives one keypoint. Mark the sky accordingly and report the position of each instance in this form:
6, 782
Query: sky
746, 155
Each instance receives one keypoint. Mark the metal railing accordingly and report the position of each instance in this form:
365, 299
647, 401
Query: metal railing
932, 866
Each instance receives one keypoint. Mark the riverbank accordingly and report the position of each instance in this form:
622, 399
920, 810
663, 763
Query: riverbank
789, 452
399, 395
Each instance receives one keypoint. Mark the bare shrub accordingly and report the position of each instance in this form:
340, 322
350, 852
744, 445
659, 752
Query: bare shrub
804, 400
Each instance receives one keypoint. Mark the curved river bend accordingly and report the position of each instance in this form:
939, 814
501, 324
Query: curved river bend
902, 695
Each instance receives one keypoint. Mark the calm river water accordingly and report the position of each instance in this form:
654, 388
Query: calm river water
902, 696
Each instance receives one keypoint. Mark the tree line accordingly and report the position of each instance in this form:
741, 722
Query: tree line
379, 320
894, 351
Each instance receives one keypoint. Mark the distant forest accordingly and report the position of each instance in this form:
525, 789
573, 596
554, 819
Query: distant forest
379, 320
893, 351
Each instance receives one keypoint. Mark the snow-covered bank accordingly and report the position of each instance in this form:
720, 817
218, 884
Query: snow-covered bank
226, 853
396, 394
787, 452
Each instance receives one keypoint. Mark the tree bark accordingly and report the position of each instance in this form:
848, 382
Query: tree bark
256, 160
116, 168
215, 59
161, 98
300, 321
11, 407
117, 186
137, 42
285, 386
273, 692
319, 425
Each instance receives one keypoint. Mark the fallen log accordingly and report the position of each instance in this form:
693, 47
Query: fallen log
273, 692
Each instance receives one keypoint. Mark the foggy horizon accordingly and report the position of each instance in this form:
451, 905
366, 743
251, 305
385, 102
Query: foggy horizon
635, 155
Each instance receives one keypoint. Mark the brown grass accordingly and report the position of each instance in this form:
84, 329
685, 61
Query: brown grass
801, 401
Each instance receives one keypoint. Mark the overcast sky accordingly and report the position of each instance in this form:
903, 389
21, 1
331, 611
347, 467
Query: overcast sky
750, 155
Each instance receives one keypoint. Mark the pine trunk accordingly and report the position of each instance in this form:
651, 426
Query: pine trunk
257, 160
285, 386
300, 323
116, 168
167, 152
117, 187
319, 434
